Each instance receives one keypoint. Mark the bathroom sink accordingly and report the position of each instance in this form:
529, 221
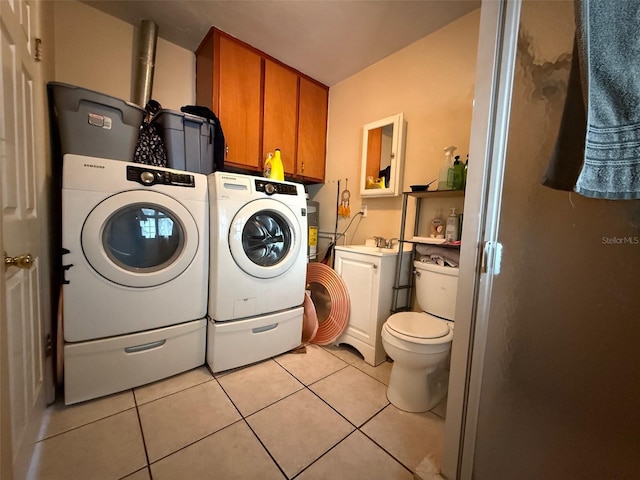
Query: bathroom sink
371, 250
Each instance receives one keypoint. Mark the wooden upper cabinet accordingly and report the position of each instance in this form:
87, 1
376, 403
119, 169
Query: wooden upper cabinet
262, 105
229, 81
312, 130
280, 113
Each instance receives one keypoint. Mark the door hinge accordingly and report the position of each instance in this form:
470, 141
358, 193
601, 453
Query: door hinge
492, 258
38, 50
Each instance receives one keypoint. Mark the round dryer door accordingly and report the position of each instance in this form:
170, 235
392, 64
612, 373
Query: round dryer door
139, 238
264, 238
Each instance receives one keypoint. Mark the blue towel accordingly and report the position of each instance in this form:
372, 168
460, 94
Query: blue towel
609, 48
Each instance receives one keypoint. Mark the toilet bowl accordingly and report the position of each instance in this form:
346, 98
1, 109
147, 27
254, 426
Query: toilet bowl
419, 342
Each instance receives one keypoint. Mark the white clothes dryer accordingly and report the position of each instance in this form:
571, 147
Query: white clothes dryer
136, 247
258, 252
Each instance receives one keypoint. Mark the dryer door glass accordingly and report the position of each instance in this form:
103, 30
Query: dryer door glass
266, 238
142, 237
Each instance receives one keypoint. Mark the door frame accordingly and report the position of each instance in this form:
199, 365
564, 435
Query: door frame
6, 457
497, 44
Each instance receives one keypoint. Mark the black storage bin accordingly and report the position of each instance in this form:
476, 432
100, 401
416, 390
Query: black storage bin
189, 140
92, 123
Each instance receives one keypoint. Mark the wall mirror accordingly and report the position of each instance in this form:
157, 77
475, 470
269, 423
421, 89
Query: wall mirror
383, 157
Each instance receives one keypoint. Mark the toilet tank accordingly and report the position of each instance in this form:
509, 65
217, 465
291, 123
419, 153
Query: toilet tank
436, 289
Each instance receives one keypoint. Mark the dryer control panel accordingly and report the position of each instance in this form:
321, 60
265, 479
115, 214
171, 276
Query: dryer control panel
149, 176
271, 188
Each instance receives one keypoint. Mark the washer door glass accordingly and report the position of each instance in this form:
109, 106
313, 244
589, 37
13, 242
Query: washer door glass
139, 238
264, 238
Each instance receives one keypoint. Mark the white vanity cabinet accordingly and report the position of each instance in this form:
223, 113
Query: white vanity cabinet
369, 274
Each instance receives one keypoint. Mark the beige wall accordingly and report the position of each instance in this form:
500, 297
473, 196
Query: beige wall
432, 83
95, 51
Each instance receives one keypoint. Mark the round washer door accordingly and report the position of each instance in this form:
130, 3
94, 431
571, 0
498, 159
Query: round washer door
139, 238
264, 238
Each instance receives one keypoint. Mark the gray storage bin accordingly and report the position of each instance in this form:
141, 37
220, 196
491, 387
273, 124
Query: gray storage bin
189, 140
94, 124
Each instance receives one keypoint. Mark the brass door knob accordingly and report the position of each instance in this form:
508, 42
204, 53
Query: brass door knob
21, 261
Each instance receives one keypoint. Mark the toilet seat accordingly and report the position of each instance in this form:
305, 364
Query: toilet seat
419, 327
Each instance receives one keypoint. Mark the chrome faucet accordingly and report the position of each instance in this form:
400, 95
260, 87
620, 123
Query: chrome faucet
380, 242
389, 243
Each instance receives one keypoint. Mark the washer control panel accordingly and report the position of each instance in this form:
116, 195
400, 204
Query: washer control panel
271, 188
149, 176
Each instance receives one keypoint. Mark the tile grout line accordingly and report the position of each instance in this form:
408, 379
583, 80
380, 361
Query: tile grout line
365, 423
144, 443
244, 419
84, 424
265, 448
359, 369
356, 428
323, 454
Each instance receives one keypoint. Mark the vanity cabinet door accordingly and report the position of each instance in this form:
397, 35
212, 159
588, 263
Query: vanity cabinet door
312, 130
280, 113
229, 81
361, 276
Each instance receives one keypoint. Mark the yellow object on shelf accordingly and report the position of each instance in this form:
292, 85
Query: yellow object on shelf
277, 169
273, 167
377, 183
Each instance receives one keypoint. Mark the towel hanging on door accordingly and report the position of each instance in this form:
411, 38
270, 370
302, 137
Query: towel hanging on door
609, 63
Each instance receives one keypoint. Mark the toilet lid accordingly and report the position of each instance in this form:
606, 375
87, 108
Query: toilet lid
418, 325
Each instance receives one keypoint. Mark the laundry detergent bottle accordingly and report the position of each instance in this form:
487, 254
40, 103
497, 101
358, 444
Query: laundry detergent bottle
277, 169
444, 170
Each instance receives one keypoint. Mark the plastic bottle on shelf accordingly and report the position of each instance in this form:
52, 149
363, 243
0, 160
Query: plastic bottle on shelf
451, 232
437, 226
277, 169
444, 170
464, 173
456, 172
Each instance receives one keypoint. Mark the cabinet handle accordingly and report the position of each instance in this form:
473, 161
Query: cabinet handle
146, 346
226, 151
303, 166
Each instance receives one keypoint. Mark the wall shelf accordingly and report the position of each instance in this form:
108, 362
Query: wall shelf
399, 285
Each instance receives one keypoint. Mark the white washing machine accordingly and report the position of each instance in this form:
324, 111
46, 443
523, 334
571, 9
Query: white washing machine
258, 246
135, 263
258, 264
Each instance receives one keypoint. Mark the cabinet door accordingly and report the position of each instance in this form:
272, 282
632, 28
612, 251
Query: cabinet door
312, 130
280, 113
362, 279
237, 95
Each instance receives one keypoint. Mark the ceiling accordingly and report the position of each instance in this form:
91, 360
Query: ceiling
329, 40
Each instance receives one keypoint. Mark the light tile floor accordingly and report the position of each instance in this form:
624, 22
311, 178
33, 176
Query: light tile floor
315, 415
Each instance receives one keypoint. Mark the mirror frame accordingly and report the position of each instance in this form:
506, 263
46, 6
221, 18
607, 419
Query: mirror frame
397, 157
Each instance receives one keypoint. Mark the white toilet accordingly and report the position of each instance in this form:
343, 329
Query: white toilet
419, 343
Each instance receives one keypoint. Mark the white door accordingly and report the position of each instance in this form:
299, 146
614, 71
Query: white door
24, 308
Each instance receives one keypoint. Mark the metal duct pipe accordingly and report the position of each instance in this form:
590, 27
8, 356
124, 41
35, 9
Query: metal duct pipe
145, 62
